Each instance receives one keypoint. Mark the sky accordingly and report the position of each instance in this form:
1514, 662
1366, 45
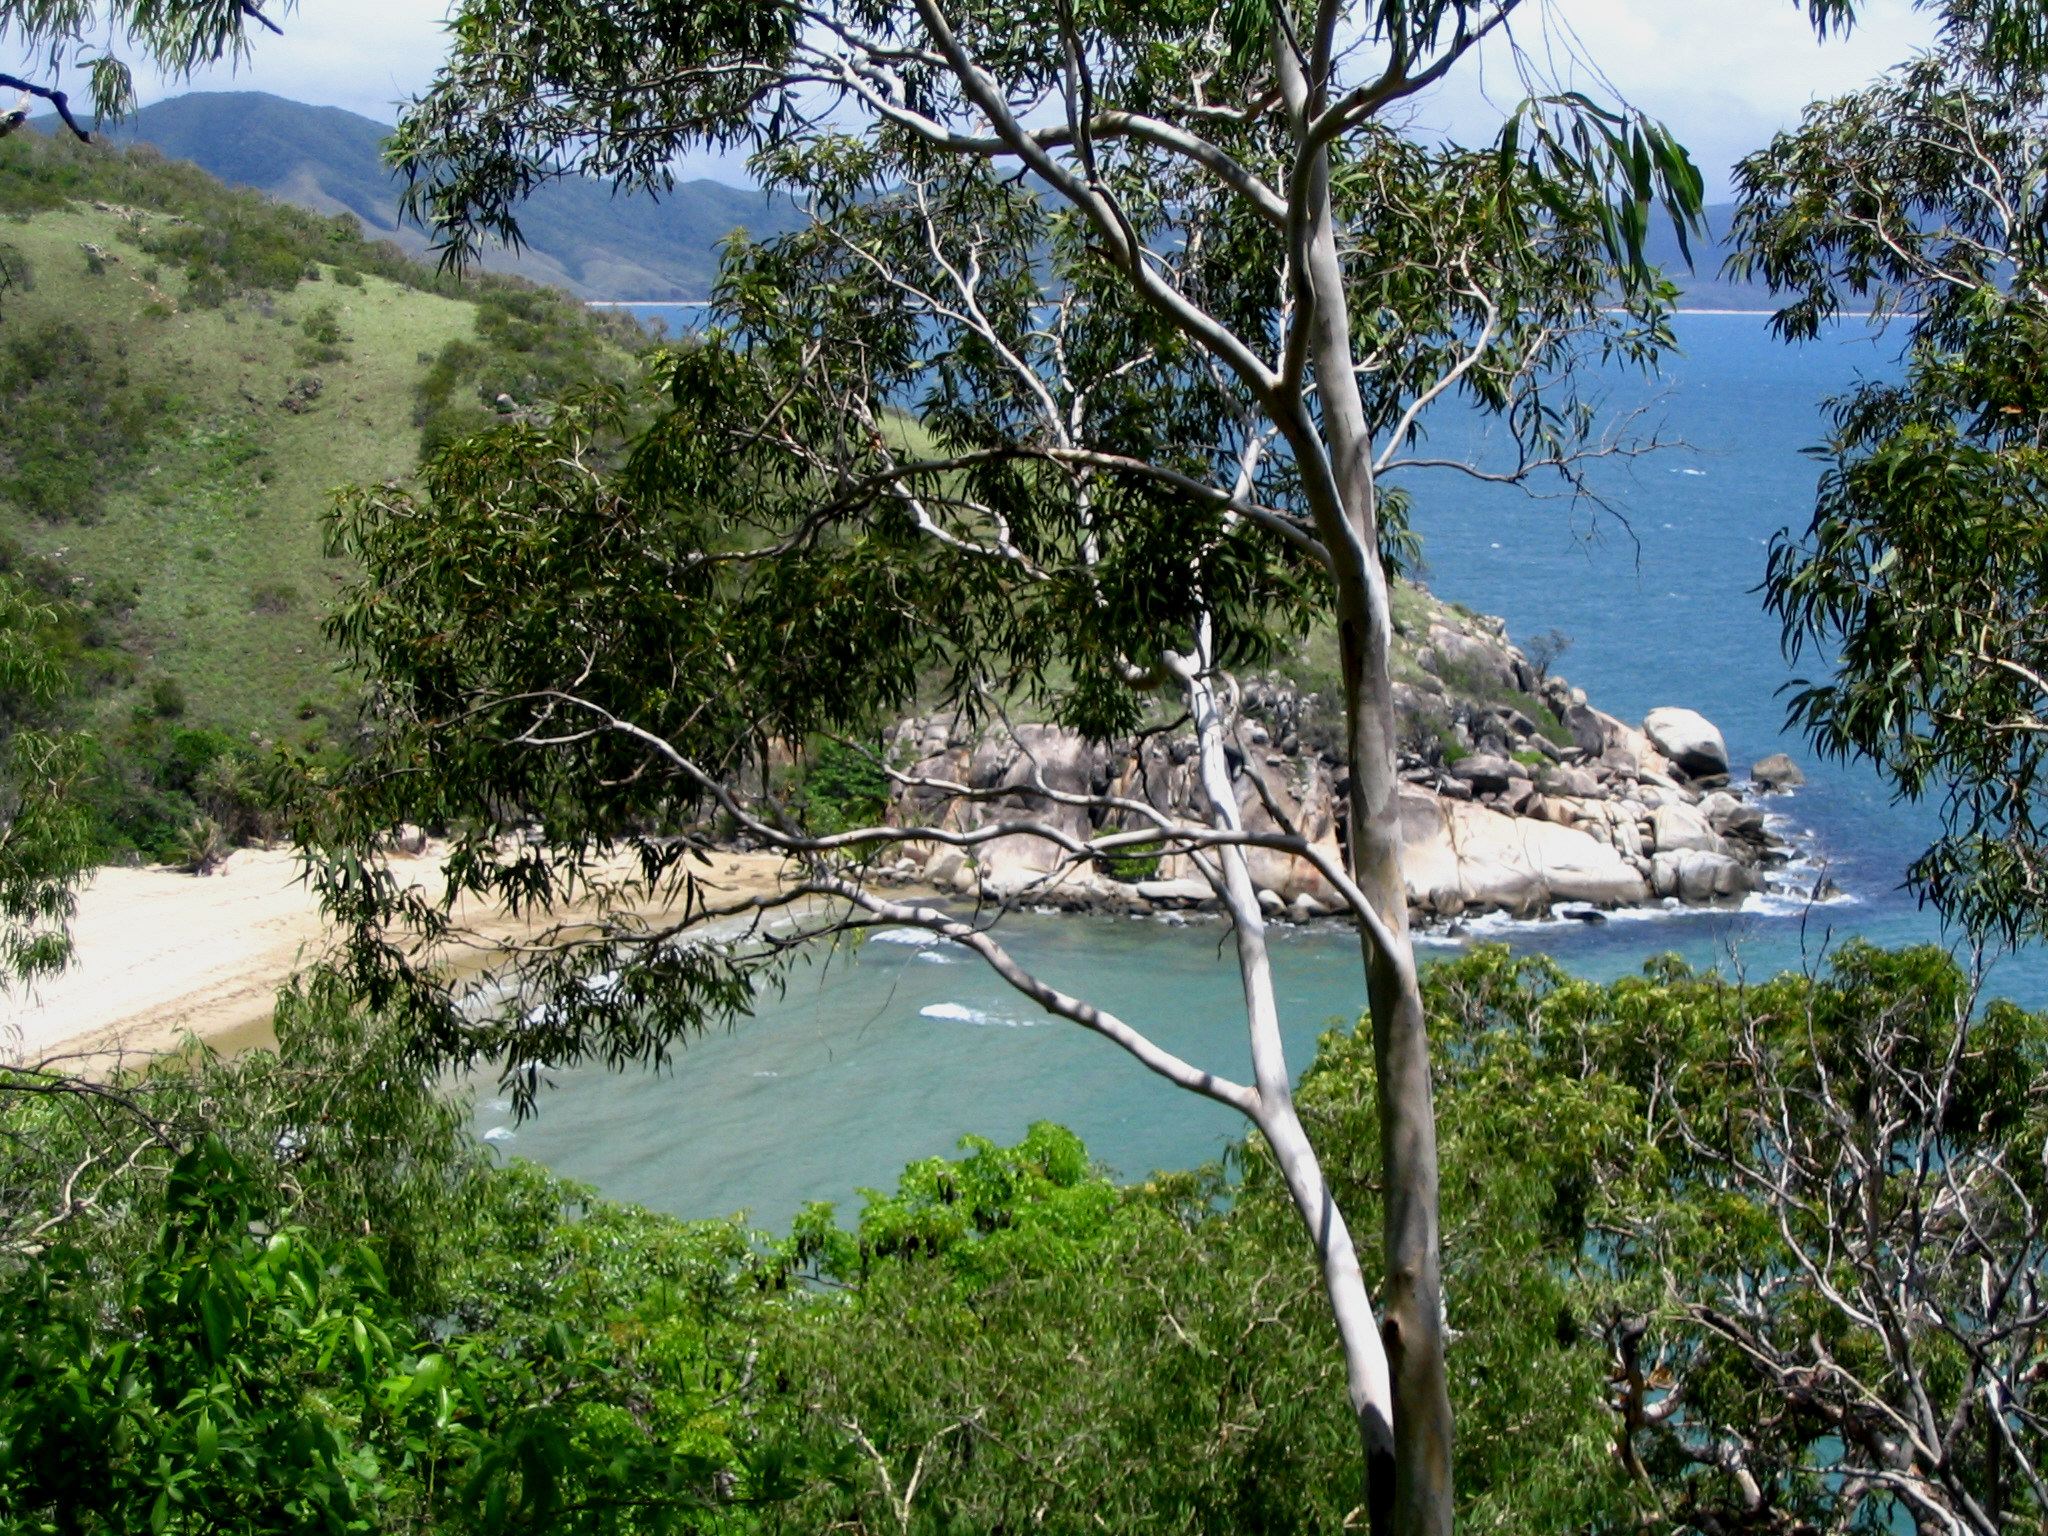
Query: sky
1724, 74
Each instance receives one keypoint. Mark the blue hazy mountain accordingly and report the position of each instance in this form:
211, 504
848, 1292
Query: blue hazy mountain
579, 235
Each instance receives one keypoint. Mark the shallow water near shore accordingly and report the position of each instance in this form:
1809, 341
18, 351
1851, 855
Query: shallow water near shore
886, 1051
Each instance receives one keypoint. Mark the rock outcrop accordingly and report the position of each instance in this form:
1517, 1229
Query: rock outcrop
1776, 772
1689, 739
1517, 795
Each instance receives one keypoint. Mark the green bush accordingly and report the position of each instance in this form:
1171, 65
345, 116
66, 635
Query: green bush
841, 787
323, 341
531, 345
71, 422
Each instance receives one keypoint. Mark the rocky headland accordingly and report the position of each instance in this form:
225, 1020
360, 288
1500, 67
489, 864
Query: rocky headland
1517, 795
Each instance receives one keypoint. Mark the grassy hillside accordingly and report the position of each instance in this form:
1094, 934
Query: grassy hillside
186, 375
214, 533
579, 235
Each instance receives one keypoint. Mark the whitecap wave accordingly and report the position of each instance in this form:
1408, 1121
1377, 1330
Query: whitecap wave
915, 937
1496, 926
960, 1013
1793, 903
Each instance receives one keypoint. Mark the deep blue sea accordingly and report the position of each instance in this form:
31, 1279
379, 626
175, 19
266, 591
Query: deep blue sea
891, 1051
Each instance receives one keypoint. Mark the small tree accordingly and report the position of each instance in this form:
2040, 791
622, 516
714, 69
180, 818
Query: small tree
1924, 570
45, 829
1806, 1218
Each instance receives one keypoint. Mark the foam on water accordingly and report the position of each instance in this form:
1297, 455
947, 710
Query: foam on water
960, 1013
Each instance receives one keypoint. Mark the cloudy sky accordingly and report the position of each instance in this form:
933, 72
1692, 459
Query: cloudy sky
1723, 73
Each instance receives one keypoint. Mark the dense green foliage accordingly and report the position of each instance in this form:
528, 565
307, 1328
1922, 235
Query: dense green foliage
226, 239
70, 422
532, 346
1922, 574
411, 1338
45, 830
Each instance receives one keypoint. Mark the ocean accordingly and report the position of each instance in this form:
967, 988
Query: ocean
892, 1050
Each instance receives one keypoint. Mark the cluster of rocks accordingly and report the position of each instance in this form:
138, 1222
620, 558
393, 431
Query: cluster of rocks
1516, 795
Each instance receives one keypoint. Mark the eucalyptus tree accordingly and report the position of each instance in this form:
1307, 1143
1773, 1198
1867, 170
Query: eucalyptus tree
1094, 373
1923, 571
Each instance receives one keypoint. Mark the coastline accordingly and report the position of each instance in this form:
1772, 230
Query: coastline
162, 958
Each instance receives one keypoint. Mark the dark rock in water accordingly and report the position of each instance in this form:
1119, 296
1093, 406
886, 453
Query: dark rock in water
1776, 772
1583, 914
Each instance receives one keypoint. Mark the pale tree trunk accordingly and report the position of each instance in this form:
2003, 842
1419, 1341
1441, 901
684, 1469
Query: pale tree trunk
1335, 459
1365, 1361
1411, 1301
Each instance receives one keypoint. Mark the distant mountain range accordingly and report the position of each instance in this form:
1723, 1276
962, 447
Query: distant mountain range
580, 235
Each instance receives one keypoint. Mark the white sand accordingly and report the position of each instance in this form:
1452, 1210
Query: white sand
160, 956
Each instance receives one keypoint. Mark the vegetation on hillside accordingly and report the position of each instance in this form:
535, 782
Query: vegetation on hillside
287, 1292
186, 370
577, 235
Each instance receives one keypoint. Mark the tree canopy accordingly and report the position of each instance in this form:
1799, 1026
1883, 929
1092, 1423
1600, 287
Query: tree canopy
1923, 572
1094, 373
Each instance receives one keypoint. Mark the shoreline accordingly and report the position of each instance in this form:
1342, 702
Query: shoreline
162, 958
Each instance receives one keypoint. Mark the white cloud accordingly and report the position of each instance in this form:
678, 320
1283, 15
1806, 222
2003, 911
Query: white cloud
367, 56
1724, 73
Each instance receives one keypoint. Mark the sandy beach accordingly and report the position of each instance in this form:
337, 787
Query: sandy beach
161, 956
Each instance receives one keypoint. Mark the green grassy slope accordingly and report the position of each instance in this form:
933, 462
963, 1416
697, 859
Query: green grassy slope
187, 374
214, 534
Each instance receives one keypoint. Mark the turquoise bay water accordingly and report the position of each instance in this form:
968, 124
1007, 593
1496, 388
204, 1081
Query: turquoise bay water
888, 1051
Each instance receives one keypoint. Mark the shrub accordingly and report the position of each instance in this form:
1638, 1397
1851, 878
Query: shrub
71, 422
841, 787
166, 698
274, 597
323, 337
